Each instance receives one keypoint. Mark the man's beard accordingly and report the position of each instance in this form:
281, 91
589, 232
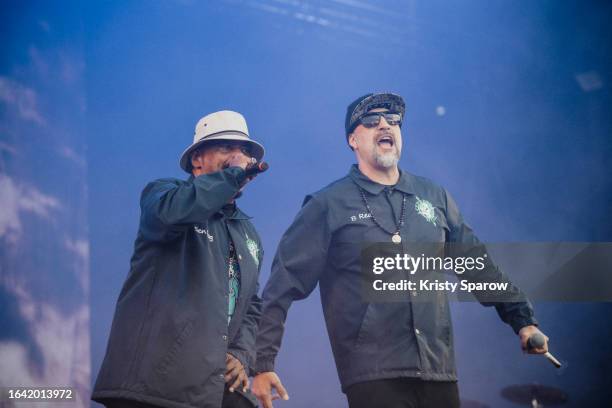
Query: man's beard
386, 160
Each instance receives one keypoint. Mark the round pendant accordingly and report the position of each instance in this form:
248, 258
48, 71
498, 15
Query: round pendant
396, 238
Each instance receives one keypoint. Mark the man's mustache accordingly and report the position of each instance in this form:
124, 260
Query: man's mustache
388, 134
385, 133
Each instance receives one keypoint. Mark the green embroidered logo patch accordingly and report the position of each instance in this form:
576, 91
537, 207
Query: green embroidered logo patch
253, 249
426, 209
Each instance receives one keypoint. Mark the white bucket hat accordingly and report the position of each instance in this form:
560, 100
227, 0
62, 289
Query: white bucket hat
222, 125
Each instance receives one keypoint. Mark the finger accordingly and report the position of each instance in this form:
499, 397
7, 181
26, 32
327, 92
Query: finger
232, 365
245, 382
232, 362
235, 384
539, 350
243, 159
281, 390
260, 394
267, 401
232, 371
232, 374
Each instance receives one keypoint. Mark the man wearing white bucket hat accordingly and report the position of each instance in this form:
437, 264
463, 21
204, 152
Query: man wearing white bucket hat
184, 328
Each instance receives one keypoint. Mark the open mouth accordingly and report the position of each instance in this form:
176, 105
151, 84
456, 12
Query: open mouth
385, 141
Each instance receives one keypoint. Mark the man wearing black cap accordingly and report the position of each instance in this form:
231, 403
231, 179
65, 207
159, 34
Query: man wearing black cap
183, 334
388, 355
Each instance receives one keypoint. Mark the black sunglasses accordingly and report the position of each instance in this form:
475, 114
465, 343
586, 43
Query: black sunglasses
372, 119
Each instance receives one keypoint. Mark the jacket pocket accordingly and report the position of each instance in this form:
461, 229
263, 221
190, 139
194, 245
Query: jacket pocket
169, 358
366, 326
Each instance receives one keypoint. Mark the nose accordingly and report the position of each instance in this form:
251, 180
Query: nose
383, 123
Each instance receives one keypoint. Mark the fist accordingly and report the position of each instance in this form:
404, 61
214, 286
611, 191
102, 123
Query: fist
239, 159
525, 333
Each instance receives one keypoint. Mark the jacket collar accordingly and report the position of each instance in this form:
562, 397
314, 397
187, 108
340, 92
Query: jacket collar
239, 215
405, 183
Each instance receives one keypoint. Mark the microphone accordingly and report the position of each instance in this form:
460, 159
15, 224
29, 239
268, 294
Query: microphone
256, 168
536, 341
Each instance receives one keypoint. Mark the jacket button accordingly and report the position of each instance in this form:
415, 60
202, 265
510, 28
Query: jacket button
221, 376
224, 337
417, 331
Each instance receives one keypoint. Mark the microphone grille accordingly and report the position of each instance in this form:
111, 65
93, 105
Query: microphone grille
536, 341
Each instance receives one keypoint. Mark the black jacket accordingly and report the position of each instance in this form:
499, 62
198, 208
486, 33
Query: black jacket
370, 340
170, 332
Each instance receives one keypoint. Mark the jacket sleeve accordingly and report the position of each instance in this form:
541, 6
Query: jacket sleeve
167, 207
517, 314
299, 262
243, 345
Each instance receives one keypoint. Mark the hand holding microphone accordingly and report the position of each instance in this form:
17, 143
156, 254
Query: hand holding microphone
538, 341
238, 160
535, 342
256, 167
250, 165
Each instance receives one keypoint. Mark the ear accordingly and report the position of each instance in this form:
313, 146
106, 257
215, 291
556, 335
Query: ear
196, 159
352, 140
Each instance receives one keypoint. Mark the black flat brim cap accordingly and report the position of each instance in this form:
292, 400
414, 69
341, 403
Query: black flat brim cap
363, 104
